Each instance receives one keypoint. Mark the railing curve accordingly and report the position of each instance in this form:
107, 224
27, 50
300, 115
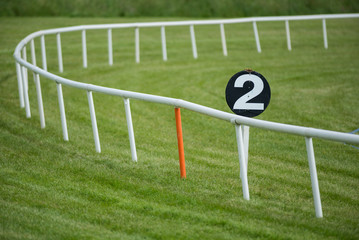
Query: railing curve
22, 67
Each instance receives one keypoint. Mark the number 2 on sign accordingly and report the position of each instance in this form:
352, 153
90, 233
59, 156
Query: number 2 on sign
242, 102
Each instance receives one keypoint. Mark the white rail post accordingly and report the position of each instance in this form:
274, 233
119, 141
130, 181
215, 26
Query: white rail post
38, 87
256, 36
25, 86
39, 101
223, 37
110, 55
137, 44
19, 84
288, 35
62, 111
164, 48
245, 133
26, 96
242, 162
84, 49
314, 178
325, 34
131, 135
94, 122
193, 40
59, 52
24, 69
32, 48
43, 53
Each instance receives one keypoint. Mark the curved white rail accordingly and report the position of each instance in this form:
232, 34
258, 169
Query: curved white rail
22, 66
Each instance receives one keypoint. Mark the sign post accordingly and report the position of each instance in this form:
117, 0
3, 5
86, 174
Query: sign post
247, 94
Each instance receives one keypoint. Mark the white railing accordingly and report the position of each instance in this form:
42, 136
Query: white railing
22, 67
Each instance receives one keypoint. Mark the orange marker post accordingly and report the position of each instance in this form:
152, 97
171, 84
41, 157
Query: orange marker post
180, 142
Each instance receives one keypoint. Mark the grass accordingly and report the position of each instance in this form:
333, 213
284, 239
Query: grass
179, 8
51, 189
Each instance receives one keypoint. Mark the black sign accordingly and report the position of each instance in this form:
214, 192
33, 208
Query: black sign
248, 93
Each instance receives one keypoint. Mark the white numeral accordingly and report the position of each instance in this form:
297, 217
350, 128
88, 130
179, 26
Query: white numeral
242, 102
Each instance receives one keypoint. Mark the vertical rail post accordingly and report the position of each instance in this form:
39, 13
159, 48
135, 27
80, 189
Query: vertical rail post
180, 142
137, 44
256, 36
131, 135
245, 131
223, 37
84, 49
62, 111
193, 40
32, 48
59, 52
25, 95
38, 87
289, 45
110, 55
164, 48
242, 162
325, 34
314, 178
39, 101
25, 85
24, 69
19, 84
93, 121
43, 52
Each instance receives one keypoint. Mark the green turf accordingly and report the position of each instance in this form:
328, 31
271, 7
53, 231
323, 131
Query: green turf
179, 8
51, 189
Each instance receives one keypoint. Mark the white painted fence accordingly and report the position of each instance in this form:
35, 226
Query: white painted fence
22, 67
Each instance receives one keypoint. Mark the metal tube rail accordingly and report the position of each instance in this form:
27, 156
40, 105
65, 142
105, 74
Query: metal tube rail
199, 22
187, 23
273, 126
